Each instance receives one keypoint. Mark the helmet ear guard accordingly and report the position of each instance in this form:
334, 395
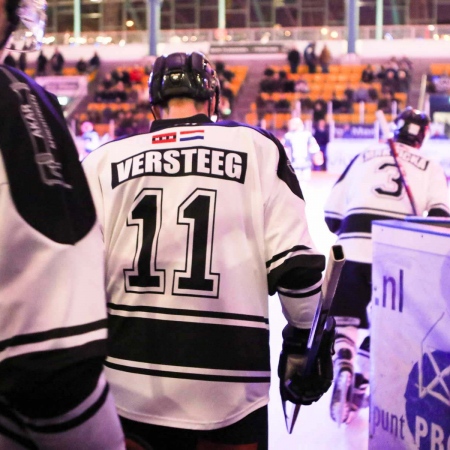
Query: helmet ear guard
412, 127
183, 75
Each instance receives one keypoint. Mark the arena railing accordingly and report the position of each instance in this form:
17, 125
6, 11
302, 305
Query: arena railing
271, 35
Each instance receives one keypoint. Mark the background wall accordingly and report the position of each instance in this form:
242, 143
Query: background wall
412, 48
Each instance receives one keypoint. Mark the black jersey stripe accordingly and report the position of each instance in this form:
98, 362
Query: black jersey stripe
344, 173
302, 294
286, 252
24, 442
189, 313
357, 223
188, 376
189, 344
69, 424
6, 412
312, 262
56, 333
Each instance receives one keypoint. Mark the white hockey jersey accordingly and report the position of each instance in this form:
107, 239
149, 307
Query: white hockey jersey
201, 221
53, 323
370, 189
300, 145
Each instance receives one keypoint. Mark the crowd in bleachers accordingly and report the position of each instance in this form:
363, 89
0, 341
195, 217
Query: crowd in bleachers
120, 106
350, 93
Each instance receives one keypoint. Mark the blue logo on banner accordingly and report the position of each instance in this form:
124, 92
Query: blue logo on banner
428, 401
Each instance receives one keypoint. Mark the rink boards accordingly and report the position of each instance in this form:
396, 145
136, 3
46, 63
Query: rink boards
410, 346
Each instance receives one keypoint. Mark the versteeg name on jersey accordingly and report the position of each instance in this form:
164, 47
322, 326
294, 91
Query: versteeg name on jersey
202, 161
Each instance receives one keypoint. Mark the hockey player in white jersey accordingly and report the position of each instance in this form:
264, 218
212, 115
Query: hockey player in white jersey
202, 221
371, 188
53, 327
302, 149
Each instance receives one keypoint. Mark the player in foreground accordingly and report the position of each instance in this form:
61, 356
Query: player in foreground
202, 221
53, 394
371, 188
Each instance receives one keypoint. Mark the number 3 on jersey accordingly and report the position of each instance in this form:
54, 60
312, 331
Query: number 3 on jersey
197, 213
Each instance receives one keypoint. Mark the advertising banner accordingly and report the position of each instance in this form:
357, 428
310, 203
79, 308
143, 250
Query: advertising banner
410, 337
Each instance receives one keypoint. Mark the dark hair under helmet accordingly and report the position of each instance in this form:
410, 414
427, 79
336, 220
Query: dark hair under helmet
183, 75
411, 127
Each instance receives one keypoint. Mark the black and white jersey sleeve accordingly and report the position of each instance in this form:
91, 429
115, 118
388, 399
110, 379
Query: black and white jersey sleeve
201, 222
371, 189
53, 326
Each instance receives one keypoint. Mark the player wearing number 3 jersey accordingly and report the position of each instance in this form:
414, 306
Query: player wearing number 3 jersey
201, 222
370, 189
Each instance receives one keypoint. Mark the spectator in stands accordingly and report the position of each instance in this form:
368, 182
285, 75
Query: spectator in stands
386, 103
107, 115
99, 95
319, 110
294, 59
118, 93
41, 64
406, 64
361, 93
261, 108
373, 94
322, 136
403, 81
340, 105
108, 81
325, 59
94, 62
310, 57
389, 82
301, 85
121, 75
81, 66
224, 107
223, 73
136, 74
57, 62
368, 74
269, 83
349, 97
227, 93
10, 60
283, 106
142, 122
285, 84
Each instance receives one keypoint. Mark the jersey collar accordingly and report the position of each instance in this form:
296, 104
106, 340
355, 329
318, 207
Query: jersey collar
158, 125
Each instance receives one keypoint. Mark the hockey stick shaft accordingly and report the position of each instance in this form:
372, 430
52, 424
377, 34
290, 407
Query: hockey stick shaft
330, 281
332, 273
385, 128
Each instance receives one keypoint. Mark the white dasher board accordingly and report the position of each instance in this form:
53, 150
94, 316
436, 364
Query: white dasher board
410, 337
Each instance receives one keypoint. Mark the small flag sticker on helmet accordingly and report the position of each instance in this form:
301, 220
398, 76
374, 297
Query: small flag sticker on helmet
164, 138
191, 135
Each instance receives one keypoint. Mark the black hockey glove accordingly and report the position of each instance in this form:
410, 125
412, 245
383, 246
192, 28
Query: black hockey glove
296, 386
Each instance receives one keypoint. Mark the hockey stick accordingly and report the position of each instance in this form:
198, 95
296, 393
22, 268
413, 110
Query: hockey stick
385, 128
320, 322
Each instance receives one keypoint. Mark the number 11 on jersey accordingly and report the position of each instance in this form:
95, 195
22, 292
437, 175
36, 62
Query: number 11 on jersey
197, 213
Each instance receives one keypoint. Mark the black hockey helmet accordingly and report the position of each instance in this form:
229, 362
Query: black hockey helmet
411, 127
183, 75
